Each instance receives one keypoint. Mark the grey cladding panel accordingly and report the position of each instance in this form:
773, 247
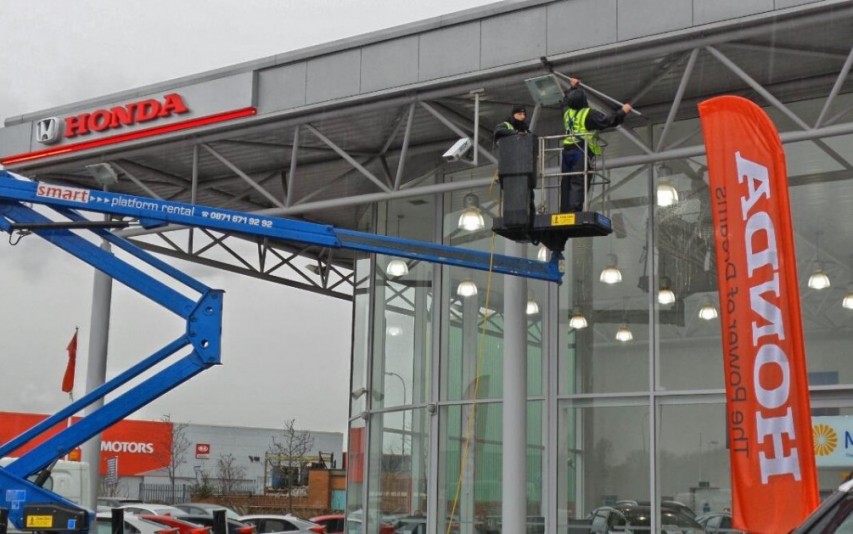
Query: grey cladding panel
513, 37
334, 76
389, 64
449, 51
782, 4
650, 17
578, 24
705, 11
281, 88
17, 139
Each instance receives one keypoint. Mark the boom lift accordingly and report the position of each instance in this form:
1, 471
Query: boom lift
31, 507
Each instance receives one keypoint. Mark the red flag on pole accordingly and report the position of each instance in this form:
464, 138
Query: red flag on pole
68, 379
774, 478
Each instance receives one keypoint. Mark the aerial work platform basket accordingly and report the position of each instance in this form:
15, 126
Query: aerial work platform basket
527, 164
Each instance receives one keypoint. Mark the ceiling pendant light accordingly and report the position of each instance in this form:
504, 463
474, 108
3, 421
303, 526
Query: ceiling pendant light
665, 294
466, 288
611, 274
532, 306
397, 267
848, 299
471, 218
666, 193
624, 334
578, 320
707, 311
818, 279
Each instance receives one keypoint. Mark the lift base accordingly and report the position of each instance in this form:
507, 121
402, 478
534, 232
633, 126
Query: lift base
554, 229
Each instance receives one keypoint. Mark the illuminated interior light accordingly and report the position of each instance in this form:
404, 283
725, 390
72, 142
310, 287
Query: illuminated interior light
466, 288
397, 268
624, 334
471, 218
611, 274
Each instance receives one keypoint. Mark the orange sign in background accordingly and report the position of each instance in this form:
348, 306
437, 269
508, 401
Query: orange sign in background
774, 479
140, 446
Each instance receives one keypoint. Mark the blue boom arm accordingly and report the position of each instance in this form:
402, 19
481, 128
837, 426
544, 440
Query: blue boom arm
203, 314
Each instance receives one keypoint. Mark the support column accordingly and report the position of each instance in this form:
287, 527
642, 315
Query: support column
514, 501
96, 371
467, 427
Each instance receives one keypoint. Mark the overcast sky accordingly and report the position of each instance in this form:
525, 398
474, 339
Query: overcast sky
285, 352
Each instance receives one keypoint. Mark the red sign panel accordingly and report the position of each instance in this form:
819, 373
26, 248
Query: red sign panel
140, 446
202, 450
774, 481
355, 455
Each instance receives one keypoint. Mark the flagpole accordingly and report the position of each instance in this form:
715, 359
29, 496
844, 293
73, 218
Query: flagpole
72, 348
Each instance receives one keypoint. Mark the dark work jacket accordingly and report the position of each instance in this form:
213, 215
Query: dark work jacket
511, 127
595, 120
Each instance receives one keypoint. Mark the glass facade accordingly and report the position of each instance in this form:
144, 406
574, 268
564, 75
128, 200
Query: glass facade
624, 369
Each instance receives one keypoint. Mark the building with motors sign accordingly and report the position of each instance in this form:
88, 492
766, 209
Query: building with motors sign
141, 451
140, 446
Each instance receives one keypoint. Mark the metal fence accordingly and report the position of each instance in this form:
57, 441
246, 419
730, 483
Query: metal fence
183, 492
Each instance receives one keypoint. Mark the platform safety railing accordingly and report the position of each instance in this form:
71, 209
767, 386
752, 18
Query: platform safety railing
550, 173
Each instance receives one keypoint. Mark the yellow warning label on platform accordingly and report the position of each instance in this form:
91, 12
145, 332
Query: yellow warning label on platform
39, 521
562, 219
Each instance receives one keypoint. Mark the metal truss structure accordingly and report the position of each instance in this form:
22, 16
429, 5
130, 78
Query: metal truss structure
333, 164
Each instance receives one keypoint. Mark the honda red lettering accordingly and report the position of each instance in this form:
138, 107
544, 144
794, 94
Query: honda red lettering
120, 116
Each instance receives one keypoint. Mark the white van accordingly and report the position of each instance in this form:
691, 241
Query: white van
68, 479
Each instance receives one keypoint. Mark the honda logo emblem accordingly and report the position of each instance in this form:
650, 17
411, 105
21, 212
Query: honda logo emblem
48, 131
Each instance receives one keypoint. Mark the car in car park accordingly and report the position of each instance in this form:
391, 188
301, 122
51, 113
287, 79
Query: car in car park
632, 517
183, 526
204, 508
232, 525
132, 525
340, 524
835, 513
270, 523
716, 522
115, 502
334, 523
153, 509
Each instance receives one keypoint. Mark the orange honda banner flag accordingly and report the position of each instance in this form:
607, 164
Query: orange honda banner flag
68, 378
774, 478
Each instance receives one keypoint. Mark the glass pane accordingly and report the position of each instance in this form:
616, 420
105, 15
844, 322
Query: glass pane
602, 459
604, 290
402, 370
685, 281
403, 311
693, 461
356, 458
398, 478
360, 335
470, 460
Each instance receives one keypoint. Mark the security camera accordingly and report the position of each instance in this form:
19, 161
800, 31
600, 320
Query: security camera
458, 150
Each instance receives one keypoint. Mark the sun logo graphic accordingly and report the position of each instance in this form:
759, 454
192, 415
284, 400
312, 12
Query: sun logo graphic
825, 439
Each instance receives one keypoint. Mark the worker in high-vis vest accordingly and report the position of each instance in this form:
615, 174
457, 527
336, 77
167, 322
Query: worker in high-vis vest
582, 125
514, 125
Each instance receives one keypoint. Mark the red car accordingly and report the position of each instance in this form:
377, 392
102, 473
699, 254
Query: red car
184, 527
337, 523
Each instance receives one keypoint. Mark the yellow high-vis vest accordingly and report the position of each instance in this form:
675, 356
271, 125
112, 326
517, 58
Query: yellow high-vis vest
575, 122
